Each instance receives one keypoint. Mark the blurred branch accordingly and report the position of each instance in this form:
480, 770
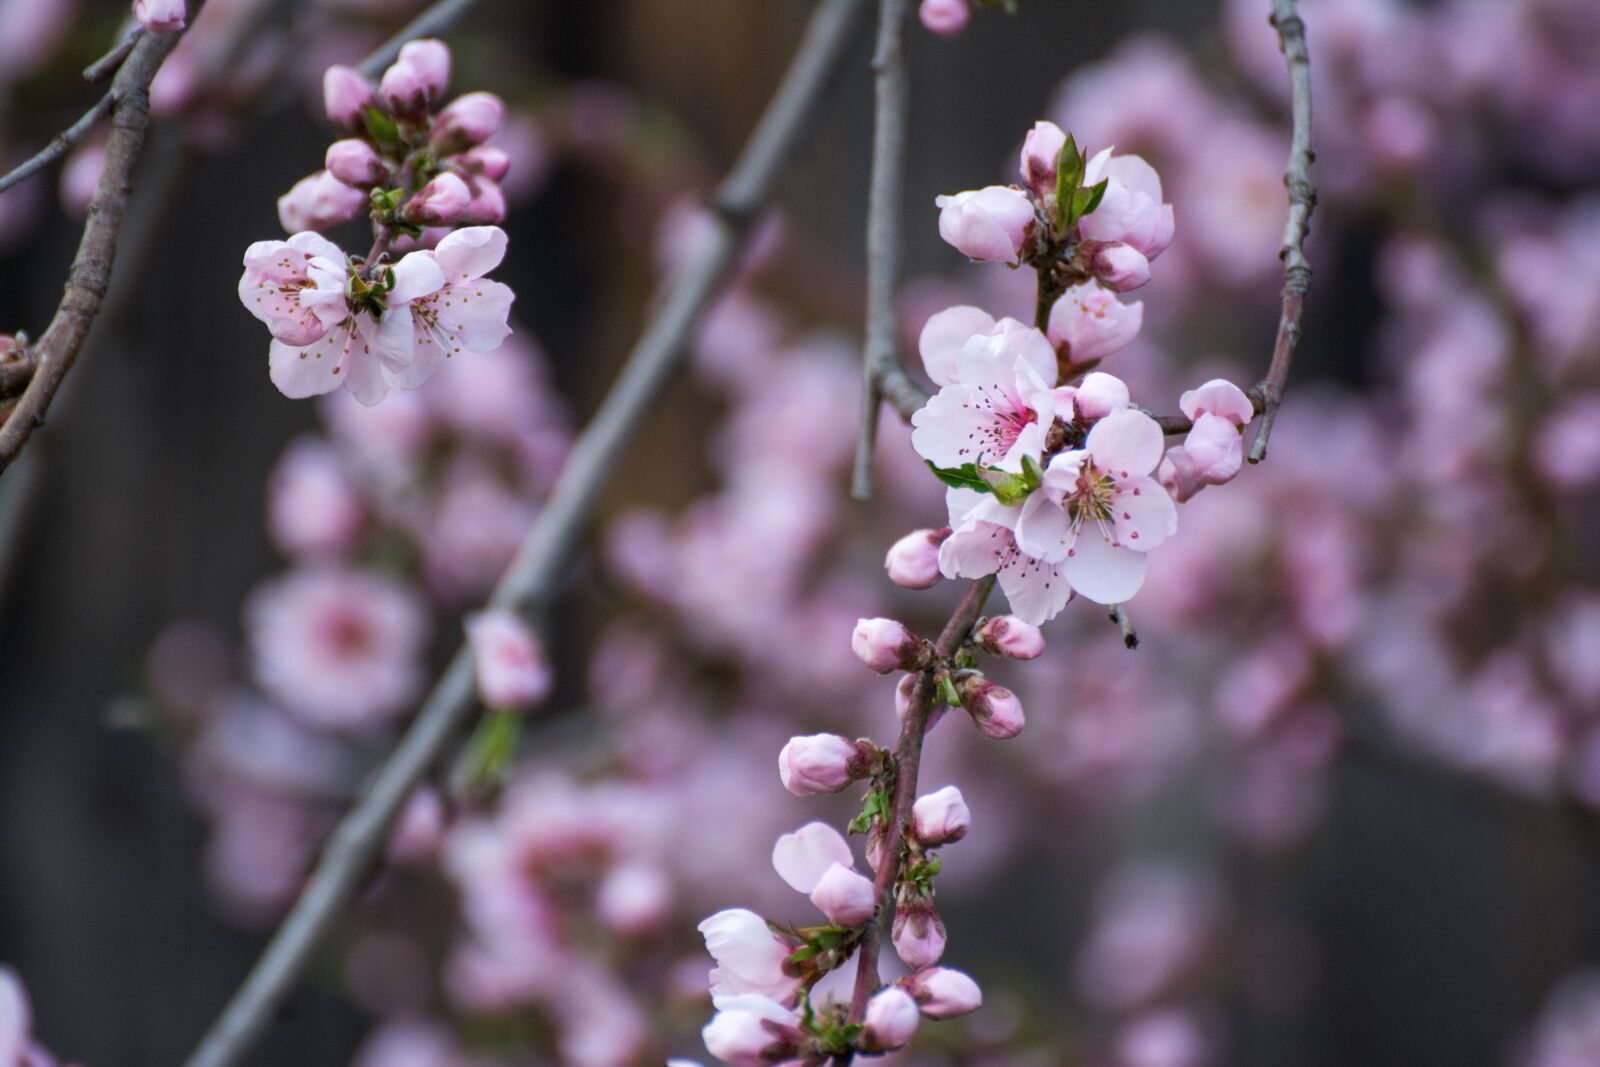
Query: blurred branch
885, 207
90, 274
61, 143
907, 762
14, 377
545, 557
107, 64
436, 19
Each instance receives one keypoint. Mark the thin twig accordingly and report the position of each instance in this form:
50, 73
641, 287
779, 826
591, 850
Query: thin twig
97, 250
1302, 201
14, 377
884, 210
545, 557
61, 143
107, 64
908, 761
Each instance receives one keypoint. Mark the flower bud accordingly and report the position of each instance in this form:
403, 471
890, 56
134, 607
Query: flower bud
160, 16
345, 93
943, 992
488, 206
512, 672
994, 708
1041, 151
469, 119
1131, 211
918, 933
844, 896
355, 164
941, 817
319, 202
987, 225
1009, 636
1120, 266
442, 202
885, 645
430, 59
756, 1032
1214, 450
486, 161
947, 18
1179, 476
913, 561
823, 763
1218, 397
404, 90
1099, 395
1088, 323
890, 1022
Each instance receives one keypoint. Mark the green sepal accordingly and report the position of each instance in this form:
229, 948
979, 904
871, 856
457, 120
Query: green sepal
874, 806
486, 764
380, 125
948, 692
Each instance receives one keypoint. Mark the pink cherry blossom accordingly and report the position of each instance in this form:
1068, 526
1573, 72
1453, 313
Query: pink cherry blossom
344, 94
512, 672
891, 1020
1218, 397
803, 857
752, 1031
984, 543
296, 287
1131, 211
318, 202
1104, 487
986, 225
339, 648
995, 415
468, 312
1098, 396
749, 957
947, 18
1088, 323
913, 561
635, 899
1041, 151
822, 763
943, 992
160, 16
946, 335
940, 817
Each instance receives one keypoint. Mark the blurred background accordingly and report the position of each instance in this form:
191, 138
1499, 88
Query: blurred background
1338, 809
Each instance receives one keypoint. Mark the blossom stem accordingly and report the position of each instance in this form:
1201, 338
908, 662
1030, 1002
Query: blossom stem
908, 761
545, 556
884, 215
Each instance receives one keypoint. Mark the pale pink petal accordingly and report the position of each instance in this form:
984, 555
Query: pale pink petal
1044, 529
1101, 572
315, 244
943, 337
974, 551
1036, 590
1218, 397
1143, 513
803, 857
1126, 443
309, 370
416, 275
471, 252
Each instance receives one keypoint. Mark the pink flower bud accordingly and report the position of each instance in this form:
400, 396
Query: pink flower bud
354, 162
160, 16
442, 202
913, 561
512, 672
1178, 475
469, 119
823, 763
885, 645
987, 225
404, 90
1009, 636
1214, 450
803, 857
1100, 395
1218, 397
918, 933
890, 1021
753, 1032
430, 59
486, 161
1041, 151
318, 202
941, 817
488, 206
1088, 323
947, 18
344, 94
845, 897
994, 708
1120, 266
420, 829
943, 992
1131, 211
634, 899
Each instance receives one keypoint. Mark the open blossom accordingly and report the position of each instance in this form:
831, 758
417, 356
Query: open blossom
296, 287
468, 312
1131, 211
984, 543
512, 672
945, 337
339, 648
749, 957
1098, 510
313, 509
987, 225
1089, 323
996, 413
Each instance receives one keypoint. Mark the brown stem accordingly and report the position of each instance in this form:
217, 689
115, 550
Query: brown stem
908, 761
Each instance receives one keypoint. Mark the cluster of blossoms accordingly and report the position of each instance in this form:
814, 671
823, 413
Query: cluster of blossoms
420, 170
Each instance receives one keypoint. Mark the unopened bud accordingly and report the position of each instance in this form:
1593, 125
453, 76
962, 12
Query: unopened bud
890, 1022
355, 164
994, 708
511, 668
947, 18
469, 119
1120, 266
488, 206
940, 817
913, 561
485, 160
318, 202
344, 94
442, 202
1040, 154
943, 992
824, 763
1009, 636
918, 933
845, 896
886, 645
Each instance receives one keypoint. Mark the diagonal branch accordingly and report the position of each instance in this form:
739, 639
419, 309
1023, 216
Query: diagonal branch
1302, 201
546, 555
884, 211
61, 143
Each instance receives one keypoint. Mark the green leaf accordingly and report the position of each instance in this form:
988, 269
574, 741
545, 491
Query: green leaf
380, 125
965, 476
1070, 166
1086, 200
1009, 489
874, 806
